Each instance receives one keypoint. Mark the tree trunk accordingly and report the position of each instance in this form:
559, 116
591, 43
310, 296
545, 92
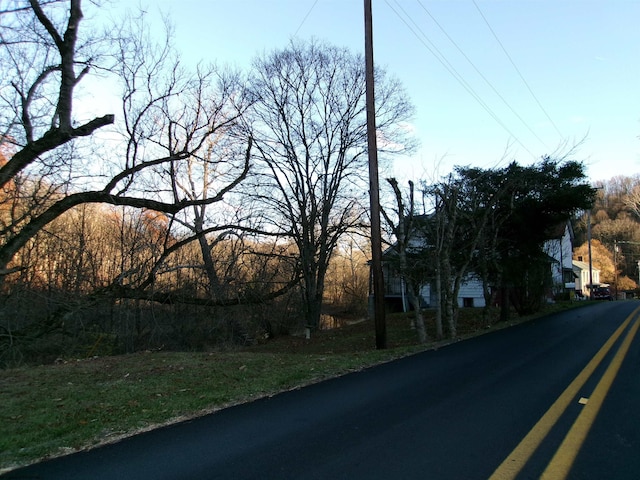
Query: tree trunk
487, 295
451, 316
505, 308
403, 232
438, 302
448, 297
414, 299
313, 311
312, 293
209, 266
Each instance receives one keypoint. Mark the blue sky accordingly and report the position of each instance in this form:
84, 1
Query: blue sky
576, 77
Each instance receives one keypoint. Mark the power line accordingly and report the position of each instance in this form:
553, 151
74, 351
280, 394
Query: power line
482, 75
517, 70
422, 38
305, 17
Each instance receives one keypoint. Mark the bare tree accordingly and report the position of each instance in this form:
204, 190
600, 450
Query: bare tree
407, 235
168, 116
60, 153
200, 178
348, 277
43, 64
309, 128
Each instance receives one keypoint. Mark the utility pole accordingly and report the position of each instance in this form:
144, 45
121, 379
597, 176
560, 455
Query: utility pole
374, 193
589, 249
615, 261
615, 269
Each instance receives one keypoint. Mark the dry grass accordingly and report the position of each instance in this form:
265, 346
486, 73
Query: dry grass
56, 409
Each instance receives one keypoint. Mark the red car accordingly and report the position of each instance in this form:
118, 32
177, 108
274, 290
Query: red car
601, 293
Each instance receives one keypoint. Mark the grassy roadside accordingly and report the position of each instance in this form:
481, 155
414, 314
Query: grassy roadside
57, 409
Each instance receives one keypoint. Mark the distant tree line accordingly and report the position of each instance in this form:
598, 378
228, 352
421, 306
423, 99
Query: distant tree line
615, 232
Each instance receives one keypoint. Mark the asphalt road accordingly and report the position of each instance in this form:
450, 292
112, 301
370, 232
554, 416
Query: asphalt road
460, 412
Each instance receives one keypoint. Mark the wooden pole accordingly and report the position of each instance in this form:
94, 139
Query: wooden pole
589, 252
374, 193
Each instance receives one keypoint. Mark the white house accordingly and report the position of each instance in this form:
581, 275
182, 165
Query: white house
558, 248
581, 270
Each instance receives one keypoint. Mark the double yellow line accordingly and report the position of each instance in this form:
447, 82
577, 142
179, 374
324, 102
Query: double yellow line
564, 457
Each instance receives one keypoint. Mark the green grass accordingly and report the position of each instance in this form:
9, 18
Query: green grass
56, 409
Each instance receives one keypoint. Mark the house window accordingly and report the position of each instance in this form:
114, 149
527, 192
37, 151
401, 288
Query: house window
467, 302
568, 276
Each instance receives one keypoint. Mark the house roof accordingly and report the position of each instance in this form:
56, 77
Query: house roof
558, 230
580, 265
